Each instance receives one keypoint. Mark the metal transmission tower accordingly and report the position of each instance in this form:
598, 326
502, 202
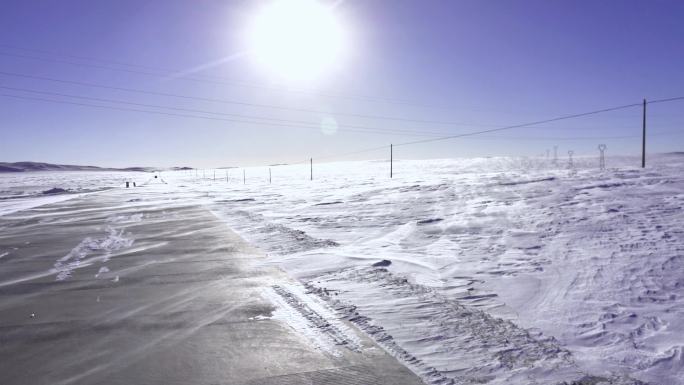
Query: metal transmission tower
602, 158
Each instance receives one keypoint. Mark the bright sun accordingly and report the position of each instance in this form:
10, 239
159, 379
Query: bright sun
297, 40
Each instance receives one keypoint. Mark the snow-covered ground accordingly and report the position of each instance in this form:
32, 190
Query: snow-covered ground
24, 190
498, 270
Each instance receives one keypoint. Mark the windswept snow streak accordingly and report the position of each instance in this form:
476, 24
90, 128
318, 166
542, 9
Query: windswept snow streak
126, 218
103, 270
100, 247
25, 190
276, 239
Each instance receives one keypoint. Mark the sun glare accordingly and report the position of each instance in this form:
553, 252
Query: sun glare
297, 40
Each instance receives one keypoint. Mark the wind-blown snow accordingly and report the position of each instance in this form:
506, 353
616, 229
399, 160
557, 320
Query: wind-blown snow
501, 270
100, 247
21, 191
584, 267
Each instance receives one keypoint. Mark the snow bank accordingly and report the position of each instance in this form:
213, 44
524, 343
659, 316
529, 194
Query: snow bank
502, 270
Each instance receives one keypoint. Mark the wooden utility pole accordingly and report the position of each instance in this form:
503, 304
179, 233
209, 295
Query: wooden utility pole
311, 166
391, 160
269, 175
643, 138
244, 180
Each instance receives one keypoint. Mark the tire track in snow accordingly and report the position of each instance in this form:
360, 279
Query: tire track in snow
315, 322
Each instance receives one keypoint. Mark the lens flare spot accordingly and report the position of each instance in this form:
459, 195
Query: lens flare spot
329, 125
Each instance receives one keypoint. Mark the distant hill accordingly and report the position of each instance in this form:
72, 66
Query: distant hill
38, 166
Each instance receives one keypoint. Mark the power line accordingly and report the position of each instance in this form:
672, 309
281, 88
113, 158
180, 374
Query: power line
565, 117
535, 123
115, 62
378, 148
556, 138
242, 103
363, 151
572, 138
172, 72
219, 80
294, 123
203, 117
297, 122
372, 149
665, 100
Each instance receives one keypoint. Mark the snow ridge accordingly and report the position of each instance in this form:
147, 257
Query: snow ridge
479, 348
325, 325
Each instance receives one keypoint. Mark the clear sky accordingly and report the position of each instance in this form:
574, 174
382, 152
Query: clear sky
474, 64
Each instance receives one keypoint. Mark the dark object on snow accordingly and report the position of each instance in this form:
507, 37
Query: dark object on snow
240, 200
55, 190
155, 177
127, 184
428, 221
328, 203
134, 184
383, 263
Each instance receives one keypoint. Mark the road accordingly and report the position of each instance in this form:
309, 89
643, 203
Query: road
139, 286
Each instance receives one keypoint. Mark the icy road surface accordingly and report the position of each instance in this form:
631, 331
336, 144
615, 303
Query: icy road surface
123, 287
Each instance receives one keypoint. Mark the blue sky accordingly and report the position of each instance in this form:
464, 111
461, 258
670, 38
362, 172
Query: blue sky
481, 64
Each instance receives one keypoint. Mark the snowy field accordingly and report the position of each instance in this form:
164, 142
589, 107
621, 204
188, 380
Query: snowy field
24, 190
498, 270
